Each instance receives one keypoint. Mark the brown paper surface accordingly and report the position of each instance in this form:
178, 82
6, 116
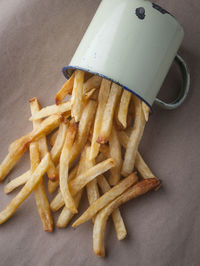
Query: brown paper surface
37, 39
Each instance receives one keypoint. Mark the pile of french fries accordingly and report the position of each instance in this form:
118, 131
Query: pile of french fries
94, 131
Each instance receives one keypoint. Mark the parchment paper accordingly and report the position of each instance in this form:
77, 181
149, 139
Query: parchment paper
37, 38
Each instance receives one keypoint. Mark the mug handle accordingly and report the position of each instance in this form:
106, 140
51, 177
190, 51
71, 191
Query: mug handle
184, 89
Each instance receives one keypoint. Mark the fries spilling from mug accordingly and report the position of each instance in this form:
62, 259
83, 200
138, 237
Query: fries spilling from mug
89, 141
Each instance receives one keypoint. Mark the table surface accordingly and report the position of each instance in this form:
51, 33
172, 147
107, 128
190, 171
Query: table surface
37, 39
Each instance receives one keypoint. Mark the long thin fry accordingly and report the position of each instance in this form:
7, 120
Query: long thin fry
102, 100
85, 124
35, 107
81, 181
39, 192
106, 198
53, 138
16, 182
123, 108
146, 111
65, 90
134, 140
115, 153
64, 167
107, 120
102, 217
58, 145
77, 95
51, 110
26, 190
116, 215
93, 82
66, 215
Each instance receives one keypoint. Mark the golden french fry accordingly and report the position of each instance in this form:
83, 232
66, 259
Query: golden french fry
58, 145
93, 82
64, 167
39, 192
65, 90
51, 110
102, 100
116, 215
107, 121
102, 217
146, 111
84, 127
123, 108
134, 140
106, 198
32, 182
115, 153
53, 138
77, 95
123, 138
16, 182
66, 215
43, 147
89, 94
81, 181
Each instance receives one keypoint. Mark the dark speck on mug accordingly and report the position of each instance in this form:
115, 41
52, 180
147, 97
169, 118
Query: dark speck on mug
140, 12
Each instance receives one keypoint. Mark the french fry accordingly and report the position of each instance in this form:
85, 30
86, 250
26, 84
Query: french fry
53, 138
146, 110
65, 90
123, 138
16, 182
18, 147
32, 182
115, 153
84, 127
89, 94
43, 147
106, 198
102, 217
116, 215
77, 95
58, 145
123, 108
107, 121
93, 82
134, 140
64, 167
102, 100
81, 181
52, 110
39, 191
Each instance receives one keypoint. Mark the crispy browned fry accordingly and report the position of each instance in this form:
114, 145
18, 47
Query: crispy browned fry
102, 217
51, 110
102, 100
81, 181
77, 95
107, 121
93, 82
16, 182
84, 127
116, 215
106, 198
146, 111
134, 140
18, 147
39, 192
58, 145
115, 153
65, 90
53, 185
53, 138
64, 167
32, 182
43, 147
123, 109
66, 215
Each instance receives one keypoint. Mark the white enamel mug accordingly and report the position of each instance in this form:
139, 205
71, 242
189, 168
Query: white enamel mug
133, 43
